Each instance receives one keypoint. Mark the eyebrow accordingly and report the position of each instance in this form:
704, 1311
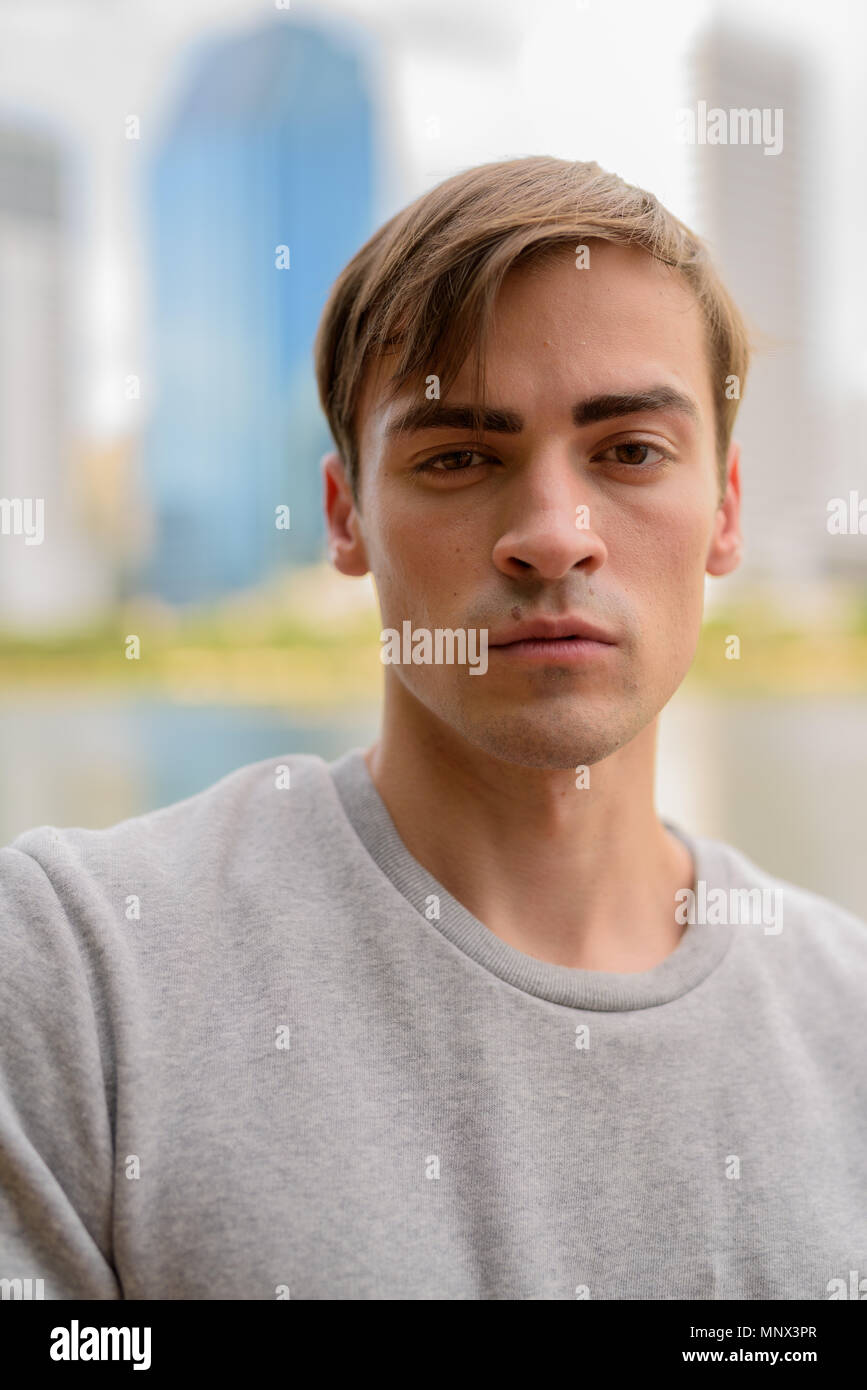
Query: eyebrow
431, 415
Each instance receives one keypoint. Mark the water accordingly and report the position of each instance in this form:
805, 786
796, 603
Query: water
784, 781
76, 760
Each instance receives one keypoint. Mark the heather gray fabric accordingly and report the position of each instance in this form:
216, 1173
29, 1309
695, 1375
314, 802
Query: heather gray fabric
283, 1078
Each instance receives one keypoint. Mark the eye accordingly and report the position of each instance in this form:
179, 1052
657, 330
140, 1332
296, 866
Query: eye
633, 454
457, 467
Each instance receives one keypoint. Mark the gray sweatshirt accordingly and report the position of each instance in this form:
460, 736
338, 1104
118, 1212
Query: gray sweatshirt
251, 1049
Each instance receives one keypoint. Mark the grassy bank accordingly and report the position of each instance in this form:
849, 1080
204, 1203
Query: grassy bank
264, 654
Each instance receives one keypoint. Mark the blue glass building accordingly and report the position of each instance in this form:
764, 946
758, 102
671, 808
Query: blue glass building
270, 144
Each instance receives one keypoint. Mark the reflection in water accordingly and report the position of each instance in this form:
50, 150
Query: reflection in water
80, 761
783, 781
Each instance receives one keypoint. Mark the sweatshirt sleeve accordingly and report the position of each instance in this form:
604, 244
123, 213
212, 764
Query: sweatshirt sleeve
56, 1085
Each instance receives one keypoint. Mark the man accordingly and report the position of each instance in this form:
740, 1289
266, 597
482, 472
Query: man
457, 1017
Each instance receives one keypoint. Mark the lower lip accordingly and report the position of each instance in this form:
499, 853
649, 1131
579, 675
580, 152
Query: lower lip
562, 649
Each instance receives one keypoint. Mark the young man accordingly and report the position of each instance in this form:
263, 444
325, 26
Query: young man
457, 1017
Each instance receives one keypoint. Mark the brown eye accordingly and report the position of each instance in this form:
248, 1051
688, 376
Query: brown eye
448, 461
634, 453
453, 462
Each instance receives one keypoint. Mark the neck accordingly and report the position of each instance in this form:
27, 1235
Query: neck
581, 878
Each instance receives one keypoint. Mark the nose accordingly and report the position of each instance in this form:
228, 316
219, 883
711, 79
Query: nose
548, 524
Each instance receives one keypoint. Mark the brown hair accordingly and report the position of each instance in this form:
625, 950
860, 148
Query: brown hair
423, 286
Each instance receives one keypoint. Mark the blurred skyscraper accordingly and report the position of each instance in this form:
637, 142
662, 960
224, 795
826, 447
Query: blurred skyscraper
752, 209
270, 146
58, 579
775, 247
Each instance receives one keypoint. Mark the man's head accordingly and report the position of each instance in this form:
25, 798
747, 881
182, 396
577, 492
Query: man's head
610, 376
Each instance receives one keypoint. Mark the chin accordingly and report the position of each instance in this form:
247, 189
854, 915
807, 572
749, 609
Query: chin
557, 744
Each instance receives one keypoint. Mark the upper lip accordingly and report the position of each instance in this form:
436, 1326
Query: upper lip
550, 629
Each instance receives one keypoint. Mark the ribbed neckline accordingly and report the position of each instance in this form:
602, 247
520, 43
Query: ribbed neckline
699, 951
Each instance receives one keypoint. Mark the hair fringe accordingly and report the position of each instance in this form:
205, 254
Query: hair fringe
424, 285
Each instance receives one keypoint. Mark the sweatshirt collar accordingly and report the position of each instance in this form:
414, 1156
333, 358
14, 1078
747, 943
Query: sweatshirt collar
700, 949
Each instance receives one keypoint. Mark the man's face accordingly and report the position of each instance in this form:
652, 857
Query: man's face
488, 538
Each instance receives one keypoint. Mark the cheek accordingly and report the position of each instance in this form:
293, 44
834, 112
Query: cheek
427, 555
690, 532
660, 562
413, 563
668, 532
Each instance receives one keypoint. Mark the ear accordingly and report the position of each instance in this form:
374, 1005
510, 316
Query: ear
345, 539
726, 544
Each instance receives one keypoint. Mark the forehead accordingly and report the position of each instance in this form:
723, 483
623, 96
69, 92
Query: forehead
558, 332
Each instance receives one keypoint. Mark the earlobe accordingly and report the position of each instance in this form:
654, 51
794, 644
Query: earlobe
726, 547
346, 548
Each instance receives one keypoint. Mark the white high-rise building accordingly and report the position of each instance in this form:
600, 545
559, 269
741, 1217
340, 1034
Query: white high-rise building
57, 578
775, 224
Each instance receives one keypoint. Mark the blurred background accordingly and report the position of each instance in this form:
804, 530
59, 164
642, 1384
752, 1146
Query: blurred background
179, 186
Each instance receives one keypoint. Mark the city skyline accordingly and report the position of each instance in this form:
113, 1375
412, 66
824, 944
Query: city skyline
103, 363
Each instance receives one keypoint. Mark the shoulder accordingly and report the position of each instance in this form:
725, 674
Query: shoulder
814, 932
168, 848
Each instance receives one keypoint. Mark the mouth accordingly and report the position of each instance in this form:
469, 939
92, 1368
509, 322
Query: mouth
565, 640
572, 650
